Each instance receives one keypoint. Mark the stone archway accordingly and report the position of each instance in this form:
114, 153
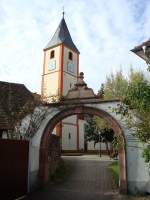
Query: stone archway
134, 175
81, 109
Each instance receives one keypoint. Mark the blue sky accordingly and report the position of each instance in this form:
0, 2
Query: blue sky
104, 32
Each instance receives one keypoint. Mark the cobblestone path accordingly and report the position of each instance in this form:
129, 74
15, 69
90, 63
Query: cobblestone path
89, 180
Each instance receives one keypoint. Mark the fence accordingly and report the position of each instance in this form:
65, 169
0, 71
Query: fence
13, 168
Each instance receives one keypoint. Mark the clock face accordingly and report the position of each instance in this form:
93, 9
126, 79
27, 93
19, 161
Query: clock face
51, 65
70, 67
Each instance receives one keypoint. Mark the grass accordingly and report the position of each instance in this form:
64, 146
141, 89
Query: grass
114, 168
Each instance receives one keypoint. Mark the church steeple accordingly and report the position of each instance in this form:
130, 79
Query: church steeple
60, 73
62, 36
61, 64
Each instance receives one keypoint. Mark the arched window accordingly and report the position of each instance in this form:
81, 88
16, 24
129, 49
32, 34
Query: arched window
70, 55
52, 54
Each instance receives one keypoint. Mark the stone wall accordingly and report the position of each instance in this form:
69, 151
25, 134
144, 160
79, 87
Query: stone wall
54, 154
53, 157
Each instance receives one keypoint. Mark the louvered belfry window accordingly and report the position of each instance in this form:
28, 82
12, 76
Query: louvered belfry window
52, 54
70, 56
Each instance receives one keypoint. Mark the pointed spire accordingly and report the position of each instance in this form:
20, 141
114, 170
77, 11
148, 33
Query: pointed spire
63, 13
62, 36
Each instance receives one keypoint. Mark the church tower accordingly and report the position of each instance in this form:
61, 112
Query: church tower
60, 72
61, 64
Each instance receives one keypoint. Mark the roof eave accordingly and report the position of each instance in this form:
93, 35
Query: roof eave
139, 52
51, 47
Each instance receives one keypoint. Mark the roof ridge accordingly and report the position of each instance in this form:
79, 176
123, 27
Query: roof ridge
11, 83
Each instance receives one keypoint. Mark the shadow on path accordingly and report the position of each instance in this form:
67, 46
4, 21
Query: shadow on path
90, 180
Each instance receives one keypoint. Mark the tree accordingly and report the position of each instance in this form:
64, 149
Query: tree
137, 95
115, 86
137, 98
107, 135
91, 130
101, 91
98, 130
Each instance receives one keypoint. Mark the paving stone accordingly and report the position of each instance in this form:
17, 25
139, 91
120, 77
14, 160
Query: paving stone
89, 180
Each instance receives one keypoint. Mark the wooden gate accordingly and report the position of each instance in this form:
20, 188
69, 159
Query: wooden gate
13, 168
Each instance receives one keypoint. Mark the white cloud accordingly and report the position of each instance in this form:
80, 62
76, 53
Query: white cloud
104, 32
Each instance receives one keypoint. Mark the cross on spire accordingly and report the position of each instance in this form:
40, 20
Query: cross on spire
63, 12
62, 36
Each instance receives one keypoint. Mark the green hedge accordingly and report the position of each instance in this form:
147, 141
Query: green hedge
114, 168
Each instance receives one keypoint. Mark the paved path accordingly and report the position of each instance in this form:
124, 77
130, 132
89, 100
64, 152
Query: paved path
89, 180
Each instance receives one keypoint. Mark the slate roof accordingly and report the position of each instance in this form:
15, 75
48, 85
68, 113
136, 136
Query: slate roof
138, 50
62, 36
139, 47
13, 97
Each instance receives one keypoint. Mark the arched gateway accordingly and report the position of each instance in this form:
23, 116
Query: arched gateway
81, 100
81, 108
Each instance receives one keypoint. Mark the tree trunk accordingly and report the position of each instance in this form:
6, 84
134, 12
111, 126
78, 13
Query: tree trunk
111, 149
107, 148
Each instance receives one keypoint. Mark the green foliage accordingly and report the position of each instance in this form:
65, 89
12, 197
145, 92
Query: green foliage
91, 131
62, 171
101, 91
97, 130
137, 95
115, 86
114, 168
137, 98
122, 109
101, 123
143, 129
146, 156
115, 143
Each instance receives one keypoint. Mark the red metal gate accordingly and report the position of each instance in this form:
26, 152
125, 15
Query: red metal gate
13, 168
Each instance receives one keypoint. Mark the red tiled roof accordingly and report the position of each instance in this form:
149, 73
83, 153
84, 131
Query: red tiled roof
4, 121
13, 98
